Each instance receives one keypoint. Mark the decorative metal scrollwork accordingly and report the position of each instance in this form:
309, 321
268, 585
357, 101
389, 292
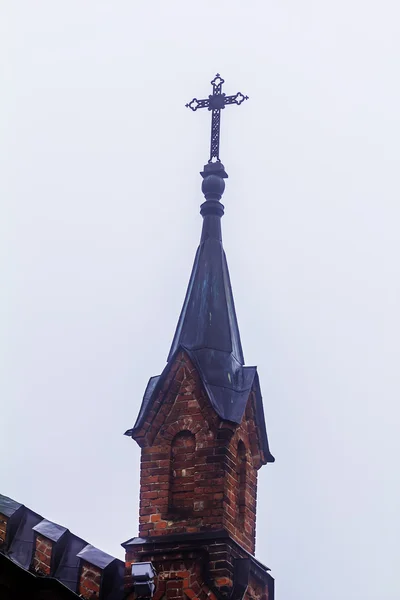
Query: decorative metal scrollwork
215, 103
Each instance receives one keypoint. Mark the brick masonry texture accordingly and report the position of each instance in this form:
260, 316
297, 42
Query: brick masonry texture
198, 472
197, 572
90, 581
42, 555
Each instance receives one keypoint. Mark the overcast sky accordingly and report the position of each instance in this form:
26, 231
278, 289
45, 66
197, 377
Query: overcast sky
100, 182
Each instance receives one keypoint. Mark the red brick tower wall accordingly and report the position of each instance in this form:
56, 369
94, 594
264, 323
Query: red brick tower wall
198, 473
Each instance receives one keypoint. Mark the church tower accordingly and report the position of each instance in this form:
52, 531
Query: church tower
202, 432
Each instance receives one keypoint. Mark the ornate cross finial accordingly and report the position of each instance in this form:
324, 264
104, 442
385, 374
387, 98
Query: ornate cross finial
215, 102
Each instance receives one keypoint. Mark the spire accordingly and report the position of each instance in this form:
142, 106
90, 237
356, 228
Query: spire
208, 318
207, 328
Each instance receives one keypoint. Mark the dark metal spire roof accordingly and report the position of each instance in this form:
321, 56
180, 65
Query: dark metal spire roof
207, 328
208, 317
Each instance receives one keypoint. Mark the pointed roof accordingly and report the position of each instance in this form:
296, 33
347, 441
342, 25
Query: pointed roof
207, 327
208, 317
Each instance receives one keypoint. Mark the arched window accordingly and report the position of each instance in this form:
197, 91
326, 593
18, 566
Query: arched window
242, 480
182, 472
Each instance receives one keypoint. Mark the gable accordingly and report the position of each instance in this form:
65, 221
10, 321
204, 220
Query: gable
217, 377
178, 401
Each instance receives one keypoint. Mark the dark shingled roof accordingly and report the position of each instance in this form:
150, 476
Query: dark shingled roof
68, 551
207, 327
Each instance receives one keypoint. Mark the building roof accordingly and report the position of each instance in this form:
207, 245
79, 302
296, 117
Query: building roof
67, 552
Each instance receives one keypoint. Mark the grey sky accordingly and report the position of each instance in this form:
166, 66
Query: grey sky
100, 186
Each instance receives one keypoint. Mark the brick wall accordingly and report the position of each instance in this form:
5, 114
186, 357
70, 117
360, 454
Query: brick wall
89, 581
198, 570
42, 555
257, 590
192, 477
240, 500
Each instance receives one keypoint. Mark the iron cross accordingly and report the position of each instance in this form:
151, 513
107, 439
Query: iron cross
216, 102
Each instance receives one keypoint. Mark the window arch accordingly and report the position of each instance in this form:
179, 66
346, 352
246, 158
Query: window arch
242, 480
182, 472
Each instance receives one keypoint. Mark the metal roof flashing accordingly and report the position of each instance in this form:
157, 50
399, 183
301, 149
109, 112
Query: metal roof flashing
96, 557
50, 530
227, 383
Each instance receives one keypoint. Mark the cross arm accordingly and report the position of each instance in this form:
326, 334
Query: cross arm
236, 99
195, 104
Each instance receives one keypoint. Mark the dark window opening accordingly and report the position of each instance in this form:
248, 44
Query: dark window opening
242, 481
